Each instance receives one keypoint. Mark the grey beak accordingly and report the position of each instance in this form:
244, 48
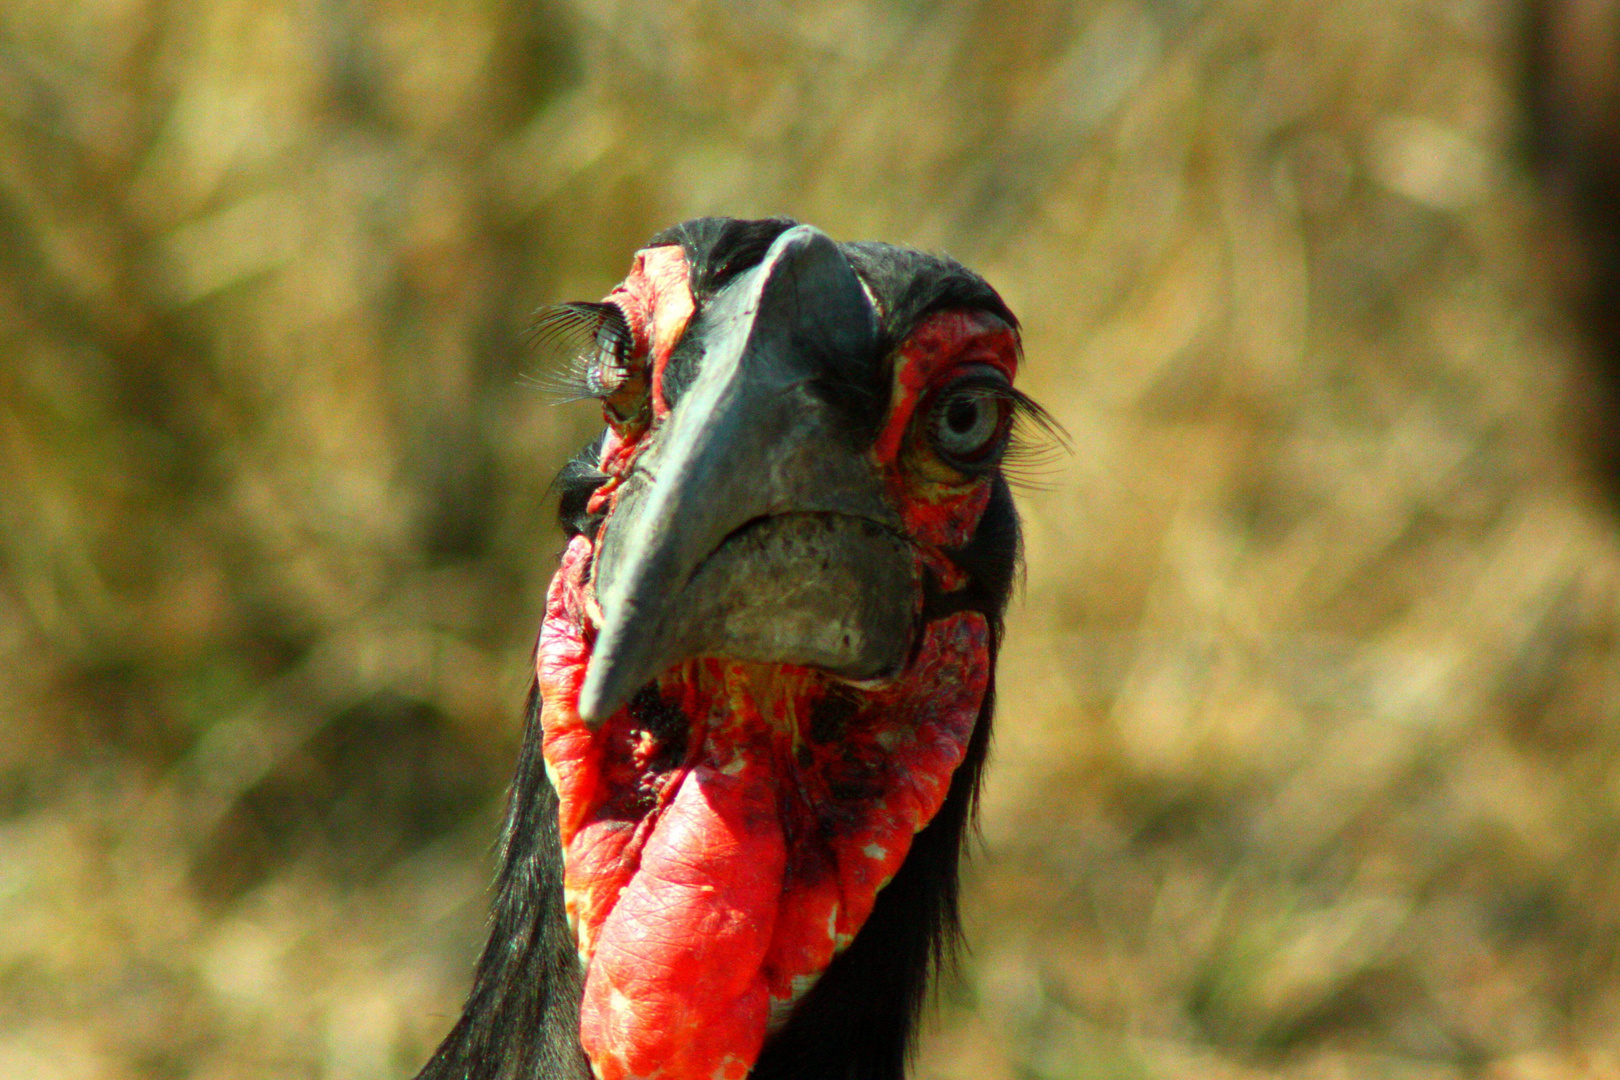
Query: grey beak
754, 527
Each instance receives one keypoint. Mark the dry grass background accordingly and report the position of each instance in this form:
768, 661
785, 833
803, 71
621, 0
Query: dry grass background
1309, 759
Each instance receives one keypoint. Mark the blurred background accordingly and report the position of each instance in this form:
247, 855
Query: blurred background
1308, 764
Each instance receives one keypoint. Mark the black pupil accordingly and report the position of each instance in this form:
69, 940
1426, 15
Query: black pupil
961, 414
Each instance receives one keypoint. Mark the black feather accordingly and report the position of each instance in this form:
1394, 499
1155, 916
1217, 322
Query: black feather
521, 1021
575, 485
718, 249
909, 285
685, 361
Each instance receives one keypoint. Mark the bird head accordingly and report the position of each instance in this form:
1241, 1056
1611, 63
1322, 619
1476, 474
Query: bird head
770, 641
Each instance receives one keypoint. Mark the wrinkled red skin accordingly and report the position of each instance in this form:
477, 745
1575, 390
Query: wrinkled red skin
721, 849
657, 303
656, 300
710, 883
938, 514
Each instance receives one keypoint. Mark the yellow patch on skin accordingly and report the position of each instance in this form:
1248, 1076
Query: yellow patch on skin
781, 1008
932, 478
770, 691
802, 985
733, 1068
875, 851
777, 1015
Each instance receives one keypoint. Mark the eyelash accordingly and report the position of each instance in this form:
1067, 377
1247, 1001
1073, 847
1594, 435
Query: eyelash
584, 338
1030, 437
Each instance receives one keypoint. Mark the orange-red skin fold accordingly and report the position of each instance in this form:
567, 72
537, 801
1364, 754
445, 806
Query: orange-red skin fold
709, 885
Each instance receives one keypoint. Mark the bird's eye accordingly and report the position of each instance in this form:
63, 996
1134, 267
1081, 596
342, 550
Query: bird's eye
608, 368
970, 420
598, 356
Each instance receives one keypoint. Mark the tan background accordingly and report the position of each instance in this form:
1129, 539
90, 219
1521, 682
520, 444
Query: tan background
1309, 757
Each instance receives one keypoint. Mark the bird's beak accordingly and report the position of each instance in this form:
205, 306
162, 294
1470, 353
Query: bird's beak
754, 525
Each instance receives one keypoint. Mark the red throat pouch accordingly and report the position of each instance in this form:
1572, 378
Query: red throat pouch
726, 834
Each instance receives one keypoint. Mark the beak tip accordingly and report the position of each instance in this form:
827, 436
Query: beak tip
590, 707
599, 697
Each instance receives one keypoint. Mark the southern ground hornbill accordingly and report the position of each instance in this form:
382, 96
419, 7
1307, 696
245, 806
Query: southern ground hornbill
764, 677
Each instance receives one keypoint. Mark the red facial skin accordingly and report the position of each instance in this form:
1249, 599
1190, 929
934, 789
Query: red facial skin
938, 510
656, 301
723, 846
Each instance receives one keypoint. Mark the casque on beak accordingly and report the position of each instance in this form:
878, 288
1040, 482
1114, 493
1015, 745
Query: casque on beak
754, 525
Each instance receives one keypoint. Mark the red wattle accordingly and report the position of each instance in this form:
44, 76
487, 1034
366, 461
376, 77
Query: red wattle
675, 988
716, 863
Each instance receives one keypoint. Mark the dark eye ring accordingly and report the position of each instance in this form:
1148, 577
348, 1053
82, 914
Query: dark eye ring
969, 421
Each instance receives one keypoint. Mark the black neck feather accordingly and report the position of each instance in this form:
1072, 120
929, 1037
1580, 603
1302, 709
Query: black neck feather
521, 1021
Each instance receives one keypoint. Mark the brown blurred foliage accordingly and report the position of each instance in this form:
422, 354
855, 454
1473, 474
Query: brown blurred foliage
1309, 755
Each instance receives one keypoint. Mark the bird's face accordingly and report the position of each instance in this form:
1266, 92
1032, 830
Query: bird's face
765, 653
